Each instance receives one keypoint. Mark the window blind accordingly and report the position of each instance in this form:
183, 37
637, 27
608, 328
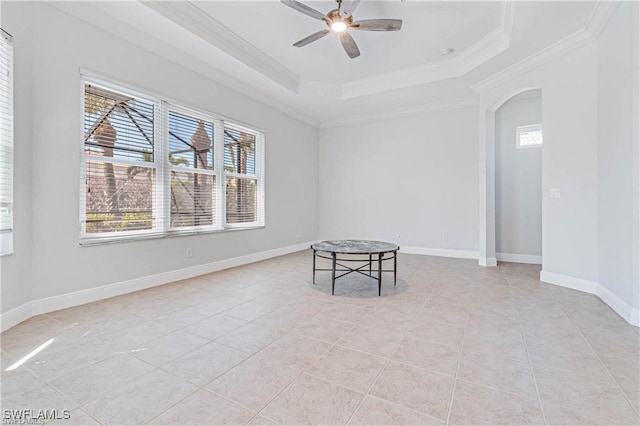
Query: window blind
119, 168
153, 168
6, 143
193, 171
244, 180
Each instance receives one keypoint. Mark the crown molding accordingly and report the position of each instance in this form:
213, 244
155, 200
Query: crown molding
484, 49
187, 15
195, 20
598, 19
449, 105
88, 12
600, 16
567, 44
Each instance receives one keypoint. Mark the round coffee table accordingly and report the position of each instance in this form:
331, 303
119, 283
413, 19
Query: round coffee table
337, 251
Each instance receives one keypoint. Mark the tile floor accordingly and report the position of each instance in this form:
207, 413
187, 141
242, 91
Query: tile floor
453, 343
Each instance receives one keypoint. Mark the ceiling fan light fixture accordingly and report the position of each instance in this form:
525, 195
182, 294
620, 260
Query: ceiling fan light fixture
338, 26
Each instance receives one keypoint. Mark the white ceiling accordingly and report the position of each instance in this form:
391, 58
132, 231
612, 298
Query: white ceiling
428, 28
248, 46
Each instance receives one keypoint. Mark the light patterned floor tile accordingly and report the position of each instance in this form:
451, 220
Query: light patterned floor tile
415, 388
310, 400
304, 356
216, 326
371, 340
479, 405
204, 408
347, 367
140, 400
251, 337
497, 372
165, 349
433, 356
96, 380
376, 411
296, 350
255, 382
204, 364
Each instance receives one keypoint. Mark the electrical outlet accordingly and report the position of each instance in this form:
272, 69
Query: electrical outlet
189, 252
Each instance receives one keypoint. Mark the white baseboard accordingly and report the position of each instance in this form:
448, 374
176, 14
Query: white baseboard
519, 258
15, 316
569, 282
487, 261
630, 314
63, 301
458, 254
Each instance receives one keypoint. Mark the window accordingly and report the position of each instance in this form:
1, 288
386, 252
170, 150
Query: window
153, 168
529, 136
6, 143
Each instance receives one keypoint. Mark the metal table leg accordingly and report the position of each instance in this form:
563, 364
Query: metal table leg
395, 267
333, 273
379, 274
314, 267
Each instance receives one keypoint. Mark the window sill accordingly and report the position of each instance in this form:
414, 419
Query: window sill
89, 241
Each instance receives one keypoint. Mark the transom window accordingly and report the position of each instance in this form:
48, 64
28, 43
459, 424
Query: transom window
529, 136
151, 167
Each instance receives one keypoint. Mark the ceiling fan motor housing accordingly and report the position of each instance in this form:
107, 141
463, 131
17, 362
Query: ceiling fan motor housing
335, 16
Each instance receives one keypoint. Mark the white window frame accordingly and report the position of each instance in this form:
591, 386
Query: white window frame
218, 223
162, 196
528, 128
6, 235
258, 176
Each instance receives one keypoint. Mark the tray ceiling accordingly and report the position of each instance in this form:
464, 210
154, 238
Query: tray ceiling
247, 45
428, 28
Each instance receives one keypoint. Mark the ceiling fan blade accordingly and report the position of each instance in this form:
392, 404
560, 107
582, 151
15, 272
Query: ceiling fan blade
303, 8
377, 25
313, 37
348, 8
349, 45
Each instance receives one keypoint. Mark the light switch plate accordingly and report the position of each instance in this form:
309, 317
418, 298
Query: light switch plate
555, 193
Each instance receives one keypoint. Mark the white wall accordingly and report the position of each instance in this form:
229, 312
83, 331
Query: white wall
569, 158
61, 46
518, 179
615, 155
635, 90
411, 180
15, 269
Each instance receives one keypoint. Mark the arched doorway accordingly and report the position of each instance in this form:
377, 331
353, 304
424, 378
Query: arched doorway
487, 184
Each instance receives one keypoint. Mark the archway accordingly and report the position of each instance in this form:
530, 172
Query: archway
487, 196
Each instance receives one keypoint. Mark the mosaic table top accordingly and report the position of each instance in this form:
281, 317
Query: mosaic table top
354, 246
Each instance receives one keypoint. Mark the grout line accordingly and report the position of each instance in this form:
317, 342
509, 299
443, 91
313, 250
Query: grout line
288, 331
388, 360
175, 404
88, 414
500, 390
602, 364
526, 349
455, 377
268, 403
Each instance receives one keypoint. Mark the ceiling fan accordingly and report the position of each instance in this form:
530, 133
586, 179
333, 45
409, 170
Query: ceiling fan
339, 21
